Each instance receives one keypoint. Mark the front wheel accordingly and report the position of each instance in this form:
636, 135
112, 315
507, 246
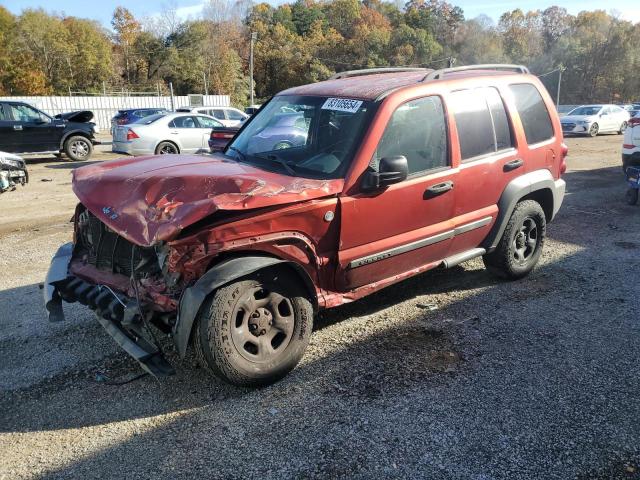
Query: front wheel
594, 130
253, 332
78, 148
632, 196
521, 244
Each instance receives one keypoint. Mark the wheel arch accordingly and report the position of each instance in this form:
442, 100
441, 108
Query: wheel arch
222, 274
74, 133
538, 185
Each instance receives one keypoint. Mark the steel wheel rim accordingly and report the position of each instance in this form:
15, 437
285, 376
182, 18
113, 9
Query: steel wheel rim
262, 325
167, 150
525, 241
79, 148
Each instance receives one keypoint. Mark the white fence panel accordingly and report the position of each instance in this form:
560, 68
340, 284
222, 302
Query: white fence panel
104, 108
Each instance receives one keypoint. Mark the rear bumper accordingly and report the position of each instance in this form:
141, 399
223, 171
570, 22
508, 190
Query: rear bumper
558, 195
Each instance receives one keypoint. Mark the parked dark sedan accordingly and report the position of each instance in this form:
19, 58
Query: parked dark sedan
131, 115
221, 136
25, 129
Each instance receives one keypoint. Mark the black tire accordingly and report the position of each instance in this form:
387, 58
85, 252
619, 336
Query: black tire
78, 148
167, 148
228, 344
632, 196
594, 130
521, 244
623, 127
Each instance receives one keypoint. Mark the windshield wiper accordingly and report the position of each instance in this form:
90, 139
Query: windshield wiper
276, 159
241, 155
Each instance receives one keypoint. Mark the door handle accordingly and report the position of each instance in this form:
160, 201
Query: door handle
174, 133
438, 189
17, 127
512, 165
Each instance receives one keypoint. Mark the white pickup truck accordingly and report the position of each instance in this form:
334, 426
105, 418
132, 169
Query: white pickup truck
631, 144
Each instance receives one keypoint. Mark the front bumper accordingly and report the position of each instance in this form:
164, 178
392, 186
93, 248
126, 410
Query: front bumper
575, 129
118, 314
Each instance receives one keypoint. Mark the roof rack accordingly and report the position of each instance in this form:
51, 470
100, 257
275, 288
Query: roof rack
437, 74
373, 71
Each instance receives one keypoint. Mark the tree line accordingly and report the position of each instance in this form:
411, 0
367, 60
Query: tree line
306, 41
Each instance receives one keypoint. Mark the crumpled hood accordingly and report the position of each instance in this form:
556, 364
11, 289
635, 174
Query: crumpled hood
82, 116
151, 199
578, 118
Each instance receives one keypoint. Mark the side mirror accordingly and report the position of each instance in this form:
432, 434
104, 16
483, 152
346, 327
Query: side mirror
391, 170
41, 121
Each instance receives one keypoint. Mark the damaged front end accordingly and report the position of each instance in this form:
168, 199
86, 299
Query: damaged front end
121, 282
13, 172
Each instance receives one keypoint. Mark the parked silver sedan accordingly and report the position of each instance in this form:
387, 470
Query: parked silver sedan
165, 134
594, 119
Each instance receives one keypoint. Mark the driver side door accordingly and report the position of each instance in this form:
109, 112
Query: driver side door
408, 225
33, 130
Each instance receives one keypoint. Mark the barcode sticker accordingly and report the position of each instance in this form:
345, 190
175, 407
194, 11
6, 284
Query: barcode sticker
342, 105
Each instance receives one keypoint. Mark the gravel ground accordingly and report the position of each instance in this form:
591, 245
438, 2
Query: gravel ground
502, 380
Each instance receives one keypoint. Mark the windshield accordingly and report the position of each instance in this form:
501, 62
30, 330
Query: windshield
306, 136
586, 111
148, 120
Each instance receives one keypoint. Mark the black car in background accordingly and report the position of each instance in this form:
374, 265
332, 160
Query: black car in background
25, 129
131, 115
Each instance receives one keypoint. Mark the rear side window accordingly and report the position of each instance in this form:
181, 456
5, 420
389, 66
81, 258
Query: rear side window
4, 113
418, 131
233, 115
219, 114
483, 125
533, 113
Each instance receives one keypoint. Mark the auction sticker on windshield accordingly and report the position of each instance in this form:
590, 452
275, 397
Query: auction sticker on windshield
342, 105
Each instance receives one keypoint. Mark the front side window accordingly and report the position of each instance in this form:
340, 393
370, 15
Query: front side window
417, 130
533, 113
482, 122
25, 113
307, 136
206, 122
233, 115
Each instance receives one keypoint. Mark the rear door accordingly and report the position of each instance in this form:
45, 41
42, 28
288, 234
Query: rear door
187, 131
7, 134
488, 162
407, 225
35, 131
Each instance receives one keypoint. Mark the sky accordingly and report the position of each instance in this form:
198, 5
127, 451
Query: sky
102, 10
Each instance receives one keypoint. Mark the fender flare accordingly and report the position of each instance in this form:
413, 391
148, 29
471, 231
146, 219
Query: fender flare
516, 190
75, 132
221, 274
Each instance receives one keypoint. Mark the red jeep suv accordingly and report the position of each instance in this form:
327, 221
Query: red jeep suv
395, 172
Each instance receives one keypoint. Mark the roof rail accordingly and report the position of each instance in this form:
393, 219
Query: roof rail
373, 71
437, 74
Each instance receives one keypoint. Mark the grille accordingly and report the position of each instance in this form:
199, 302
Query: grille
568, 126
106, 250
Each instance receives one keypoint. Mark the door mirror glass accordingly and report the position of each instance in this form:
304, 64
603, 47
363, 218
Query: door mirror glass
391, 170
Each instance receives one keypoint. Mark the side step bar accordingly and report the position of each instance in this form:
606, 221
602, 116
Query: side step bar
459, 258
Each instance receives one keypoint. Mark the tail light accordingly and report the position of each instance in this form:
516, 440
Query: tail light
131, 135
633, 122
626, 145
564, 151
221, 135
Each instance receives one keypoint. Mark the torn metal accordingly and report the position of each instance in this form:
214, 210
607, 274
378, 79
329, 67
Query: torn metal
13, 172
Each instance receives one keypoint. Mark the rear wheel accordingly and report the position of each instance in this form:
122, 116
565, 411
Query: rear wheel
254, 331
632, 196
78, 148
521, 244
167, 148
623, 127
